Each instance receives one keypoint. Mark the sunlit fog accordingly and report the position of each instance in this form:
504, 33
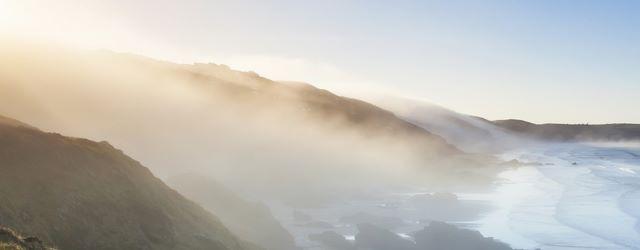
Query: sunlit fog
344, 125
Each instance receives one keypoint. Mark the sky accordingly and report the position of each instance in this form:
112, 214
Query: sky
543, 61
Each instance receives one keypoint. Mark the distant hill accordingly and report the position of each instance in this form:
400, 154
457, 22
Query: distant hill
166, 114
323, 108
476, 134
135, 91
573, 132
469, 133
79, 194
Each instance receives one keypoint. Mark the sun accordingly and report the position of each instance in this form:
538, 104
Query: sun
8, 14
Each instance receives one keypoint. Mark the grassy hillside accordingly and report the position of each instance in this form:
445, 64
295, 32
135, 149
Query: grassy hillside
92, 88
11, 240
251, 221
208, 118
79, 194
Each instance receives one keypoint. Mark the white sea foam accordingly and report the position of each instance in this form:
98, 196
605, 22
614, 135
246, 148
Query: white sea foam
577, 197
583, 198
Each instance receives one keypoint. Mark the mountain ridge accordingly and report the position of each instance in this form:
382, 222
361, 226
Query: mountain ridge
573, 132
187, 99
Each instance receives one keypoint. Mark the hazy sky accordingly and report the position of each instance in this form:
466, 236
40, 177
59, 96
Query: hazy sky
544, 61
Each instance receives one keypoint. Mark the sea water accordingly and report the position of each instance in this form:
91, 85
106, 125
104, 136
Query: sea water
570, 196
576, 196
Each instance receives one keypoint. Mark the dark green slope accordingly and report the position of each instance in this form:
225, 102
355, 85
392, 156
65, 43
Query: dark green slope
79, 194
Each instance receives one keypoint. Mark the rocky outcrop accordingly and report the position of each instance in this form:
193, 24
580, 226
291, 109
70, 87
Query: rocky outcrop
442, 236
377, 220
332, 240
436, 236
11, 240
375, 238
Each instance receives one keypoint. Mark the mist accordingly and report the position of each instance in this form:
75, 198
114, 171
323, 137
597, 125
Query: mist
244, 130
285, 164
333, 125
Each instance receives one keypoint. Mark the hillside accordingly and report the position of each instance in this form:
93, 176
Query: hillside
79, 194
573, 132
309, 105
469, 133
251, 221
210, 116
128, 88
11, 240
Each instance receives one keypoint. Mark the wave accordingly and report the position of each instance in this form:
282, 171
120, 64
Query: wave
584, 197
